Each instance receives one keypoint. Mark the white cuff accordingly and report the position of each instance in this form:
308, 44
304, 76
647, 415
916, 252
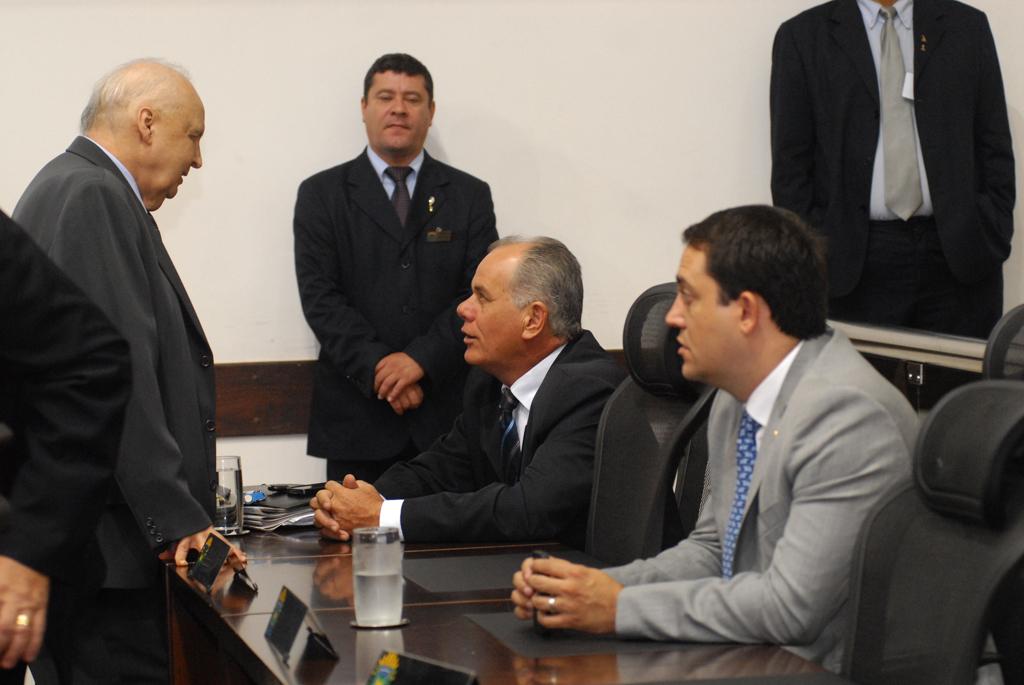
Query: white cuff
391, 514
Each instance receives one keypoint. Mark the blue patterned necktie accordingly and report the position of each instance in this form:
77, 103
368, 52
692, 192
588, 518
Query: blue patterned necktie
512, 455
746, 453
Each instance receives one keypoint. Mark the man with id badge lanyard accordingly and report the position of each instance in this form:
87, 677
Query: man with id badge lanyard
890, 137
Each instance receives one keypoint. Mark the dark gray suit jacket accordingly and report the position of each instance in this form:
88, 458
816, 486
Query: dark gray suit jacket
370, 287
64, 381
84, 214
825, 116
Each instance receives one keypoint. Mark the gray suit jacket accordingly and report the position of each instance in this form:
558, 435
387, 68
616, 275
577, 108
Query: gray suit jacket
86, 217
839, 437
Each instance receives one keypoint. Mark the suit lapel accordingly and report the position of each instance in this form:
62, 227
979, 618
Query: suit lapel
492, 428
847, 29
167, 266
768, 452
367, 191
427, 200
85, 148
929, 28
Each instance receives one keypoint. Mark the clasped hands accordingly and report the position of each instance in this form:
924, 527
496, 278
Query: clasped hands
565, 595
340, 508
396, 378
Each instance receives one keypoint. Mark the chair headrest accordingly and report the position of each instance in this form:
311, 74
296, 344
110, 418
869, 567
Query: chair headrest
966, 444
650, 346
1004, 352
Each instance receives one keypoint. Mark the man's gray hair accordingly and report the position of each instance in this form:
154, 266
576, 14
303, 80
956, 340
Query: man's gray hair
121, 86
548, 273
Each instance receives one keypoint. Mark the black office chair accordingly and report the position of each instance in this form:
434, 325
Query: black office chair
1004, 352
1004, 358
645, 440
933, 556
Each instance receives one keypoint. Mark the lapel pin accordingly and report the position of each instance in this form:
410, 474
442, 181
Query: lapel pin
430, 204
924, 43
775, 433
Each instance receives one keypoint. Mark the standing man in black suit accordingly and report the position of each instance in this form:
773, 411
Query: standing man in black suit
64, 382
518, 463
89, 209
385, 247
890, 136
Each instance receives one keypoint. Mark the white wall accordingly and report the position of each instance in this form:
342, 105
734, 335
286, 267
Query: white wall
611, 124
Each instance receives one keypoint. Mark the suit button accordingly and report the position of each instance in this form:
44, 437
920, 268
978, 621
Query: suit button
406, 265
205, 361
210, 425
159, 537
149, 520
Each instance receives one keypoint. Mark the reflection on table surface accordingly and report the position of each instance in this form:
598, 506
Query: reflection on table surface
223, 633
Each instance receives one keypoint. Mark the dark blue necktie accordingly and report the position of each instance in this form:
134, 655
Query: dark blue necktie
746, 454
511, 454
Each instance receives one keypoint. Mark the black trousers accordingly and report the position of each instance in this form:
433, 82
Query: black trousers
907, 282
120, 638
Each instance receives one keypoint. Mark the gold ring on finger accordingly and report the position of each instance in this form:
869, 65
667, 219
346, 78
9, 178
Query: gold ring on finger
22, 620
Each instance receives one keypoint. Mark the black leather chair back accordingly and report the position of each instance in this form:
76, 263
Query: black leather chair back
933, 556
650, 431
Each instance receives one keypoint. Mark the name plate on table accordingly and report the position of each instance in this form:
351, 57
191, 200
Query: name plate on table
213, 555
291, 613
398, 668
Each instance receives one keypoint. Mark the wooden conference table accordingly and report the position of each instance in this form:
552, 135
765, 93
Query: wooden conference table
451, 593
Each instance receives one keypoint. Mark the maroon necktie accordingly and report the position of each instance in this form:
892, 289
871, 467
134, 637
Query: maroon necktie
400, 198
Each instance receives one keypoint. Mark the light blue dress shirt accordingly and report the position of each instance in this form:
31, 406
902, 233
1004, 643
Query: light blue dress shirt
379, 165
122, 168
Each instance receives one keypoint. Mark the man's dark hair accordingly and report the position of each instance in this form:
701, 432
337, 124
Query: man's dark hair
400, 63
770, 252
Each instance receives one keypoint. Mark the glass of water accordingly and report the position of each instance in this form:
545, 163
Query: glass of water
377, 572
228, 517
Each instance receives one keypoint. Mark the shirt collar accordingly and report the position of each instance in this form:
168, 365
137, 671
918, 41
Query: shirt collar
122, 168
526, 386
380, 166
761, 402
872, 12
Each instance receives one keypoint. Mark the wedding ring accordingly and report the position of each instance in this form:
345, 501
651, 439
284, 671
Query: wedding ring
551, 605
22, 620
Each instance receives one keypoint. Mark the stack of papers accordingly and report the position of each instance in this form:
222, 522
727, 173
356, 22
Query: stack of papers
278, 510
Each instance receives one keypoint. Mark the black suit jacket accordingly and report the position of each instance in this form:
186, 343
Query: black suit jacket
370, 287
825, 119
64, 381
83, 213
454, 491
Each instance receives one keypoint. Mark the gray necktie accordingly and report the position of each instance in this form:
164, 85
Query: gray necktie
899, 145
400, 198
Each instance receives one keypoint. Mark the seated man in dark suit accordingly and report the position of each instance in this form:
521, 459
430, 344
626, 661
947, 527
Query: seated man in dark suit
518, 463
804, 439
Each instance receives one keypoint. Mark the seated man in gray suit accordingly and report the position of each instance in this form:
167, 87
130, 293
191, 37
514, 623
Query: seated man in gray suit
804, 438
518, 462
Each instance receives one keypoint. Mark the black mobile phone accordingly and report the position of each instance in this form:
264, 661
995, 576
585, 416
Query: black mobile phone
537, 627
296, 489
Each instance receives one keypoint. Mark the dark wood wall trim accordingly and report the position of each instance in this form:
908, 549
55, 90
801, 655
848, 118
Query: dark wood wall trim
263, 398
272, 398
